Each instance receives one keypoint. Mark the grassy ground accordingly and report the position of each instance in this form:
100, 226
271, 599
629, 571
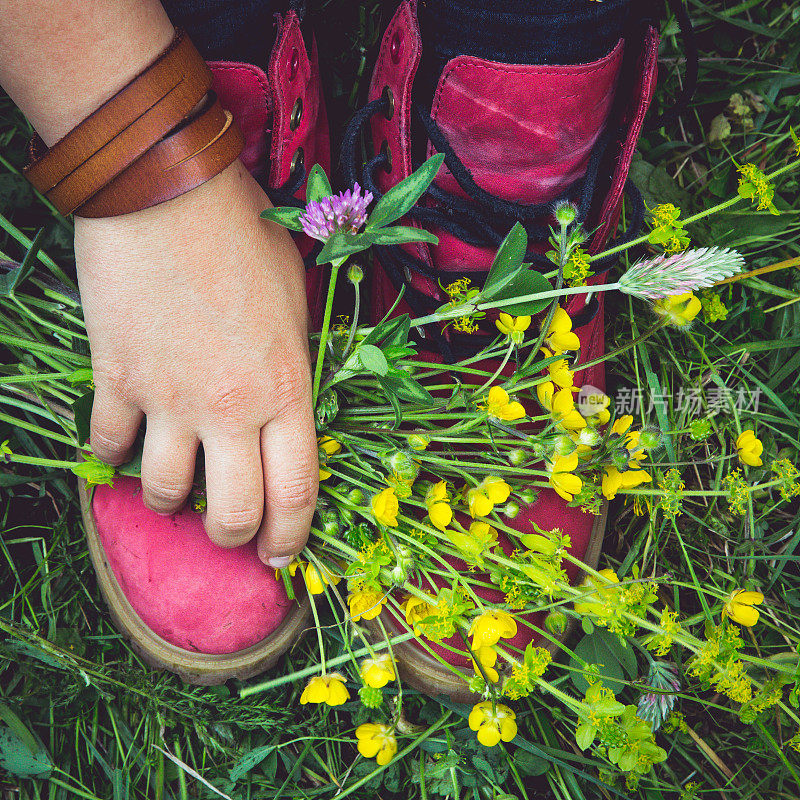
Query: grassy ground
112, 728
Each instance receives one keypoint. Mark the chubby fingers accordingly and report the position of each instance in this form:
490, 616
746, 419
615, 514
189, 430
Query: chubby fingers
291, 478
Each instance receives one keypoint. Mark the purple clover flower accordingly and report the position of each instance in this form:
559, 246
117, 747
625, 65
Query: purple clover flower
345, 212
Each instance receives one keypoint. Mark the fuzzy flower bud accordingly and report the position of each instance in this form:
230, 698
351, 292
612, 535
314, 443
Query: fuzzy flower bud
556, 622
355, 274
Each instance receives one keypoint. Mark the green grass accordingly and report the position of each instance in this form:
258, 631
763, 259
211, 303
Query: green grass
106, 722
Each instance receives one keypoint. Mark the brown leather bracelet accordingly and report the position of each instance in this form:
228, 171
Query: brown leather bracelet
111, 138
190, 156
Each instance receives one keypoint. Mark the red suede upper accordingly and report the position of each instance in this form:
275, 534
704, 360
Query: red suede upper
525, 133
192, 593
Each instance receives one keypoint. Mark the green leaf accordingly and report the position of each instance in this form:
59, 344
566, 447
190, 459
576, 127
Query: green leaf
373, 359
11, 280
391, 395
341, 245
584, 735
318, 185
399, 234
82, 408
288, 216
94, 471
527, 281
605, 649
82, 375
400, 198
21, 753
507, 262
251, 760
405, 387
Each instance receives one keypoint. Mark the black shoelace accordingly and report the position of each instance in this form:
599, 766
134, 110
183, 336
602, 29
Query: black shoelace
483, 219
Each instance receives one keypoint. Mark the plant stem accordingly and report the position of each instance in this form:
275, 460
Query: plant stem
326, 324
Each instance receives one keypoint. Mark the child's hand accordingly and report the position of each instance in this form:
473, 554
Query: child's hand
196, 312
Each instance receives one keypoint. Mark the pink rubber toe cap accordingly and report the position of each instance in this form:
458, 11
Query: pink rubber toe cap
197, 596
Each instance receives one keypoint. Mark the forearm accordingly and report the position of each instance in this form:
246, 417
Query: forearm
59, 61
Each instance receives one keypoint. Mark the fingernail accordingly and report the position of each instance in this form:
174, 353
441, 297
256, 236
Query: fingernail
279, 562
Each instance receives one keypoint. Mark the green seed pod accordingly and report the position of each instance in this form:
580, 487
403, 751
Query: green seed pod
370, 696
418, 442
563, 445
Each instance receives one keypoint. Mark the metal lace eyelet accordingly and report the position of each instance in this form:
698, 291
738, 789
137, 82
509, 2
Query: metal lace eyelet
388, 96
296, 115
387, 153
297, 161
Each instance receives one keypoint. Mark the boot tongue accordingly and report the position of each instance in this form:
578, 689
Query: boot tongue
524, 131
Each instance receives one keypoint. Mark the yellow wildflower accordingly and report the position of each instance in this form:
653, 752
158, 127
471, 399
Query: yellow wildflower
559, 335
377, 741
739, 607
749, 449
492, 724
614, 480
488, 628
378, 671
327, 447
328, 689
487, 658
486, 495
417, 609
500, 405
678, 309
438, 505
605, 590
476, 542
561, 406
562, 479
385, 507
317, 578
365, 604
513, 327
559, 371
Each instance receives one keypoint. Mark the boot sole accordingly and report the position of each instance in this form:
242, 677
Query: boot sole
201, 669
422, 671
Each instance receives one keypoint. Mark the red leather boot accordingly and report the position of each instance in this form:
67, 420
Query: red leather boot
516, 137
166, 584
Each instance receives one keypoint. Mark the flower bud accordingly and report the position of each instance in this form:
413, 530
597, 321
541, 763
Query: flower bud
356, 497
619, 458
510, 509
418, 442
650, 438
402, 465
589, 436
563, 445
556, 622
516, 457
355, 274
528, 495
565, 214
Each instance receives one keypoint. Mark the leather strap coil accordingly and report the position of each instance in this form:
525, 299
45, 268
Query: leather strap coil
185, 159
111, 138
